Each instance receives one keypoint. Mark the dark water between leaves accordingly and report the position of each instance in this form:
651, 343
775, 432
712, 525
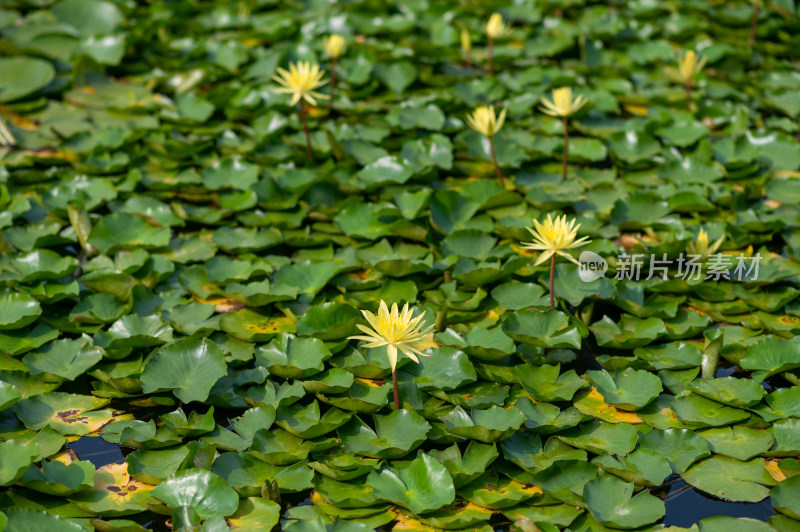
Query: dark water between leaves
685, 505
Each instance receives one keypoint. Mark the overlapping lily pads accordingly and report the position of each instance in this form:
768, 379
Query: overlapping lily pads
180, 278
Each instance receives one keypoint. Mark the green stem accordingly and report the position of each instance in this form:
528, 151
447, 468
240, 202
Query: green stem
552, 279
490, 49
751, 41
396, 392
305, 129
566, 151
689, 95
333, 85
496, 165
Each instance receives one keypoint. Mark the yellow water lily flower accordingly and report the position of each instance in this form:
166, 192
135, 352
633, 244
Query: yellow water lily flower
689, 65
395, 329
700, 245
553, 237
466, 41
300, 81
496, 27
562, 103
483, 120
334, 46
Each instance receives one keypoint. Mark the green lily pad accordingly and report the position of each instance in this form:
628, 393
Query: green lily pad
279, 447
731, 479
447, 369
30, 520
200, 490
397, 76
739, 442
18, 310
490, 425
672, 355
496, 492
632, 147
124, 231
613, 503
387, 169
599, 437
65, 358
722, 523
307, 422
133, 331
334, 380
329, 321
42, 265
629, 333
643, 467
695, 410
255, 514
626, 389
189, 367
23, 76
769, 356
545, 383
230, 173
293, 357
57, 478
786, 496
394, 436
781, 403
681, 447
422, 486
8, 395
15, 459
466, 467
729, 390
549, 329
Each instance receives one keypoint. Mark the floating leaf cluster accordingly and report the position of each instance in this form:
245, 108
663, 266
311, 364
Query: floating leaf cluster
185, 256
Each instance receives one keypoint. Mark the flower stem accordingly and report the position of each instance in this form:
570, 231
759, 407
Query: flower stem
333, 85
441, 319
305, 129
751, 41
490, 49
552, 278
396, 393
689, 95
496, 165
566, 151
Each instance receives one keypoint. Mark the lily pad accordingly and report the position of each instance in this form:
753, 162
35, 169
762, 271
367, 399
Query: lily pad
422, 486
394, 436
731, 479
485, 426
785, 497
626, 389
189, 367
23, 76
551, 329
547, 383
18, 310
739, 442
613, 503
200, 490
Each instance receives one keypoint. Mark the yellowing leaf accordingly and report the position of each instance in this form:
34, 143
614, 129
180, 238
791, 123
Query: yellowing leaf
115, 492
774, 471
592, 404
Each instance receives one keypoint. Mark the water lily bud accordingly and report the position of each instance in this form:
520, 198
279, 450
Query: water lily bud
496, 27
334, 46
